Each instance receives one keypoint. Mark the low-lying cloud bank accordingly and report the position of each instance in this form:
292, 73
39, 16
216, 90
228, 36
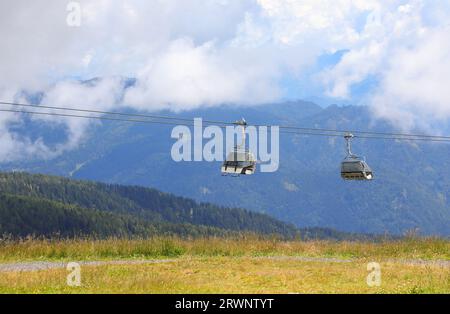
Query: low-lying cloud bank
186, 54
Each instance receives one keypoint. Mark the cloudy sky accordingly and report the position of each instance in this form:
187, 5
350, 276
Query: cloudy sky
391, 55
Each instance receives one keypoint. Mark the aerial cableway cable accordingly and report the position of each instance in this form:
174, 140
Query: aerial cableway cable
173, 120
114, 113
107, 118
240, 161
227, 123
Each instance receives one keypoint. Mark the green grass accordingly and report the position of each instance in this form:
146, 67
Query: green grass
84, 249
225, 265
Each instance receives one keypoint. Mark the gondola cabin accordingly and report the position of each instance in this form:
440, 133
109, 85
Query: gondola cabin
354, 168
239, 163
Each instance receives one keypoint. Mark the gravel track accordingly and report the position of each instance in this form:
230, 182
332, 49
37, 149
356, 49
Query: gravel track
35, 266
42, 265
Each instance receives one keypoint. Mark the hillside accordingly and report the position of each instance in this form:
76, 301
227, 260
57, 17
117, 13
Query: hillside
45, 205
23, 216
411, 189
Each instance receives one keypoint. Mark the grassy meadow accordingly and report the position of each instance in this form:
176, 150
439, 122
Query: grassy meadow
229, 265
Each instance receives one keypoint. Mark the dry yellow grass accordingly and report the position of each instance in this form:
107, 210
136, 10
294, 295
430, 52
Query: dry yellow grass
244, 265
235, 275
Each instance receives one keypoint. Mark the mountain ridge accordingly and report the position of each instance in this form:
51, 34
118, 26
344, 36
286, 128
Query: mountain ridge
411, 189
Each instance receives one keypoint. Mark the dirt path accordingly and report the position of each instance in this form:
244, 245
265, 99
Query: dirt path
34, 266
306, 259
42, 265
413, 262
420, 262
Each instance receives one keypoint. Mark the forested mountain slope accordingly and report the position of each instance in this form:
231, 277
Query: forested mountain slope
45, 205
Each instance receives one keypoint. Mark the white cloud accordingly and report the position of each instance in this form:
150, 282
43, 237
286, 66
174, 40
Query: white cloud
13, 146
117, 38
414, 86
331, 24
186, 76
103, 95
408, 53
193, 53
355, 66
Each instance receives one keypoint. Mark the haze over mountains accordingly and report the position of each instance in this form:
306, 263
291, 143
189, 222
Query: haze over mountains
411, 187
